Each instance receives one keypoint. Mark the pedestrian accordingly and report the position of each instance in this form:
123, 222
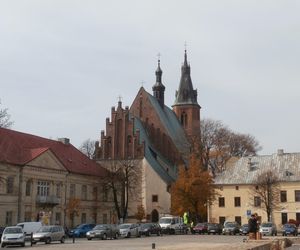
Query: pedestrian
252, 224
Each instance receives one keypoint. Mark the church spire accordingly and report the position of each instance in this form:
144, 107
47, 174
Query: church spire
186, 106
185, 94
158, 88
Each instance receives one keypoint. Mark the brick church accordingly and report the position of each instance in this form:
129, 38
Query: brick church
156, 136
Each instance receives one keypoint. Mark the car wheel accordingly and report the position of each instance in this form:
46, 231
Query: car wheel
158, 233
2, 245
48, 241
89, 238
116, 236
62, 240
104, 237
148, 234
128, 235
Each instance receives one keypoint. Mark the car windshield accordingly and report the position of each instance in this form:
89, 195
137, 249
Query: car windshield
44, 229
99, 227
245, 225
200, 225
266, 225
13, 230
165, 220
288, 225
145, 225
230, 225
123, 226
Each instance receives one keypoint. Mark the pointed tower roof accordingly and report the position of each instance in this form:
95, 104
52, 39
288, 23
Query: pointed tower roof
185, 94
158, 85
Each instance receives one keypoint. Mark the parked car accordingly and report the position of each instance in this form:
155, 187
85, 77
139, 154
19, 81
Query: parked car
172, 225
128, 230
13, 236
1, 231
149, 229
268, 228
48, 234
81, 230
244, 229
289, 229
214, 228
231, 228
103, 231
200, 228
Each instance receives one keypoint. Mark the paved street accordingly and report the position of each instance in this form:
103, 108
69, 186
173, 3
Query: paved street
177, 242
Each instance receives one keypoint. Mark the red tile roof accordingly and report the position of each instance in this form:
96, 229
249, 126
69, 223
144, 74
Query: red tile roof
19, 148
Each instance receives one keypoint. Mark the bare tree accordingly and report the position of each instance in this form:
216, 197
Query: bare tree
5, 121
88, 148
219, 144
123, 181
267, 189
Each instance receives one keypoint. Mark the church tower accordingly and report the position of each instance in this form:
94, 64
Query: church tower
186, 106
158, 88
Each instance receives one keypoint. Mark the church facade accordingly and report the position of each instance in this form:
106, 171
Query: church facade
157, 137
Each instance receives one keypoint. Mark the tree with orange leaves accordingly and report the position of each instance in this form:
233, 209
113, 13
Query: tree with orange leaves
193, 190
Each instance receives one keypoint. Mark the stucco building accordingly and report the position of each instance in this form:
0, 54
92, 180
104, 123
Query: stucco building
236, 202
154, 135
50, 181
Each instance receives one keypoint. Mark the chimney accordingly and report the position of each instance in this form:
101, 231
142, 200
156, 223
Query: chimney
65, 141
280, 152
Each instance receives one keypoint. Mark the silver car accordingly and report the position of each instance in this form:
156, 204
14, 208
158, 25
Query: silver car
103, 231
13, 236
268, 228
48, 234
128, 230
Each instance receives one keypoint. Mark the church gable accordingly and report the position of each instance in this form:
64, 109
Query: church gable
143, 108
47, 160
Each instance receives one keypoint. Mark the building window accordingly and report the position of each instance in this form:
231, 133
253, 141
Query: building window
237, 201
10, 185
28, 188
221, 201
105, 193
236, 187
83, 218
257, 201
58, 190
104, 218
27, 216
298, 217
184, 119
43, 188
72, 190
284, 218
283, 197
221, 220
297, 195
256, 187
155, 198
8, 219
58, 218
95, 193
238, 219
84, 192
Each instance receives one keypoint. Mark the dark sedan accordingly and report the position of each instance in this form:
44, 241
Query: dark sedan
214, 228
149, 229
289, 229
244, 229
200, 228
231, 228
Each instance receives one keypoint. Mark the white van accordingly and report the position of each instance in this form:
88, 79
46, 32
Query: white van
172, 225
30, 227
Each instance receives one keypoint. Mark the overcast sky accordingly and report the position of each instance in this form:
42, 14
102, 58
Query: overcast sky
63, 64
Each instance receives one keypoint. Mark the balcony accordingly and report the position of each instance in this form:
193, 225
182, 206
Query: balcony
50, 200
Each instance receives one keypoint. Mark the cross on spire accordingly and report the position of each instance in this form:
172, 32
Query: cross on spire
185, 45
142, 83
120, 98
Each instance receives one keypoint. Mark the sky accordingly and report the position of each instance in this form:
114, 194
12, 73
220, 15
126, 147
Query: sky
65, 63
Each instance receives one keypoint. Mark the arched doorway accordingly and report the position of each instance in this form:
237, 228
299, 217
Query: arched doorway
154, 216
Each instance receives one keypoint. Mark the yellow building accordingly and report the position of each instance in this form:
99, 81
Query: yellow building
236, 201
50, 181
